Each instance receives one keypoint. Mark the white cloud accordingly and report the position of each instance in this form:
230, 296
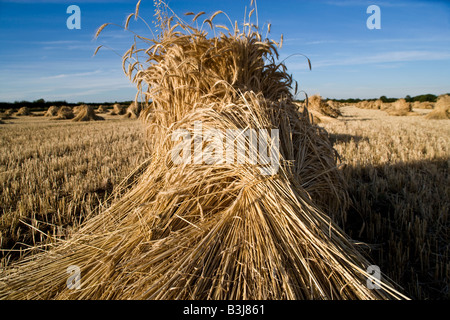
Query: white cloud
66, 75
381, 58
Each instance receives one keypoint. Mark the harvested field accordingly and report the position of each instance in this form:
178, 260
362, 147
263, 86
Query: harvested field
225, 188
289, 219
397, 169
55, 175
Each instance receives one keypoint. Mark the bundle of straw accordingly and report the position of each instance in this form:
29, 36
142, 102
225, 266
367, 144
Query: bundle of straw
328, 109
118, 110
441, 110
314, 116
133, 111
217, 230
77, 109
400, 108
363, 104
86, 113
378, 104
5, 116
102, 109
422, 105
64, 113
24, 111
52, 111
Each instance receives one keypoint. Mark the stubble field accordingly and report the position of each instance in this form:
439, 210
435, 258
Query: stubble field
56, 174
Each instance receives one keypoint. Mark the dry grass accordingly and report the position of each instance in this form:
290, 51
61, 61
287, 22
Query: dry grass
377, 104
400, 108
64, 113
319, 111
369, 104
441, 110
397, 169
56, 175
5, 116
313, 116
102, 109
221, 231
225, 231
86, 113
118, 110
328, 109
52, 111
24, 111
422, 105
146, 113
134, 110
9, 112
77, 109
397, 108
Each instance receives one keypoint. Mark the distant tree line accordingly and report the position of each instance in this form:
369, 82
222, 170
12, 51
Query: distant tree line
408, 98
41, 104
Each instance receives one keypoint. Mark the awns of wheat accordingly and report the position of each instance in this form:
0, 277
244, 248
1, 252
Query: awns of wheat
220, 230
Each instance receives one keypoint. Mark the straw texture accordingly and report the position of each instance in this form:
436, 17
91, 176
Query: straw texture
217, 230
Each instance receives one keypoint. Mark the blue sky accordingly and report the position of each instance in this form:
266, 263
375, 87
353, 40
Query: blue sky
409, 55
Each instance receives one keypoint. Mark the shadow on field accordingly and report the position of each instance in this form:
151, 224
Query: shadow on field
401, 210
357, 119
338, 137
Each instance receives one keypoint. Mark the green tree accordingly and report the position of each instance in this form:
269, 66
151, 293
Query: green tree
39, 101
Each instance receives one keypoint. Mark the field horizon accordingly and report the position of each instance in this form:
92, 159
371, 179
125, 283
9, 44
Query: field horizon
222, 168
31, 217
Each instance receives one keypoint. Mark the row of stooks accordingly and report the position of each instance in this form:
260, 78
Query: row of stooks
78, 113
440, 108
323, 110
319, 109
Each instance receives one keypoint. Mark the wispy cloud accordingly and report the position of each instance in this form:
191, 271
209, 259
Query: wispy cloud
56, 42
71, 87
67, 75
380, 58
87, 93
